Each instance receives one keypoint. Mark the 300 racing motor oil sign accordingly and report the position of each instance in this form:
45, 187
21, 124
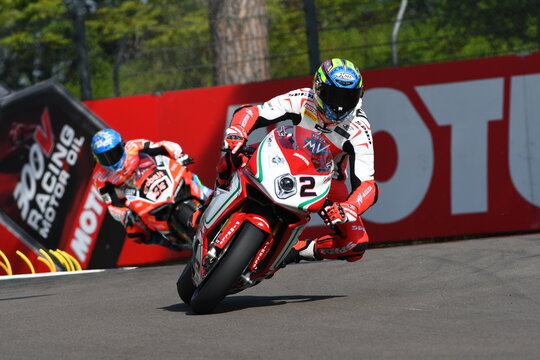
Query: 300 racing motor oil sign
45, 176
46, 197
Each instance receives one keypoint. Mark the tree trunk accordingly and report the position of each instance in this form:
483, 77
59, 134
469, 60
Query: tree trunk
240, 41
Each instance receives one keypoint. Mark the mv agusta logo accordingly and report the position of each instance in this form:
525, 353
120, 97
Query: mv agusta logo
316, 145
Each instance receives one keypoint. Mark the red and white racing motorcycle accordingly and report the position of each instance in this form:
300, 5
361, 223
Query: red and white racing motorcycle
165, 195
248, 229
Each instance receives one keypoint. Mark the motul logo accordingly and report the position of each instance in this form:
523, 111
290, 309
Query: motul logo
88, 225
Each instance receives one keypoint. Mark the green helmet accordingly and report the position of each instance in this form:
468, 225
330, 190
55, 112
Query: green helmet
338, 87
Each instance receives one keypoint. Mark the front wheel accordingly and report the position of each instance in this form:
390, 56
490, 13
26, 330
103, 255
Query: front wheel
184, 285
226, 272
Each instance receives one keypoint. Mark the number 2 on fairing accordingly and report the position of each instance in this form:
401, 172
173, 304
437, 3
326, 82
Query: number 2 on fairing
308, 183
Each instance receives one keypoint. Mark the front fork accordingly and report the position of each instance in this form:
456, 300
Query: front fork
227, 233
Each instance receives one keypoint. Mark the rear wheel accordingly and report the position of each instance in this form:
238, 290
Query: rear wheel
226, 272
184, 285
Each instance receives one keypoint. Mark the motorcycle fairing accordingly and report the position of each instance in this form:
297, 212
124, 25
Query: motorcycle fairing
234, 223
222, 201
311, 186
253, 193
154, 187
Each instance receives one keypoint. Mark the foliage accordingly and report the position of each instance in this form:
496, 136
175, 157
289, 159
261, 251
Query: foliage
147, 46
438, 30
34, 36
160, 39
362, 35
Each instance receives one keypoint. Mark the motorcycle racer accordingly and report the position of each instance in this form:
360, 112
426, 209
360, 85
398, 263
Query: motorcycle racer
332, 108
116, 161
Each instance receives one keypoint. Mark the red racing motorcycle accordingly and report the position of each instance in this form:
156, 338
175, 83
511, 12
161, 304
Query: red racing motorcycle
248, 229
165, 195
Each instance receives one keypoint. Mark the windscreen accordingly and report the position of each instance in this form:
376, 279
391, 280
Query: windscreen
314, 146
145, 167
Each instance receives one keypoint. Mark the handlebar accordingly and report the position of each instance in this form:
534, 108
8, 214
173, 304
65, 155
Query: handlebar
246, 150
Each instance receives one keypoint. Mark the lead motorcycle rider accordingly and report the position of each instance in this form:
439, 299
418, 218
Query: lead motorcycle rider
116, 161
333, 109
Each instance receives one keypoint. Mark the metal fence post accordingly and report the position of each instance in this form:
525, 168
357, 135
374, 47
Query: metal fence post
78, 10
312, 33
395, 32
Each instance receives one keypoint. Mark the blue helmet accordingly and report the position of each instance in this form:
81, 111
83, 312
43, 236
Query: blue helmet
108, 149
338, 87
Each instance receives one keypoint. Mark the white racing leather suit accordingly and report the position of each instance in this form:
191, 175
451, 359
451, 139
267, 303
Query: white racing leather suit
350, 142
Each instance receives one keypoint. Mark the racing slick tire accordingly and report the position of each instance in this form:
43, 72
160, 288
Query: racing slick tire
230, 266
184, 285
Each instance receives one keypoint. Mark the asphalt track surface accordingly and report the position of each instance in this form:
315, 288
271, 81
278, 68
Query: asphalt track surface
475, 299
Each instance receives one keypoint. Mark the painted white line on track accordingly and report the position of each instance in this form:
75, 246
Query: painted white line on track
61, 273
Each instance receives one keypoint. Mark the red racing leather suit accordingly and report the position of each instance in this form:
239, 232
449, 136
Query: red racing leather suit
112, 185
351, 143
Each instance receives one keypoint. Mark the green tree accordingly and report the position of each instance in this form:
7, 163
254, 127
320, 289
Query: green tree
144, 46
35, 42
147, 46
452, 29
134, 46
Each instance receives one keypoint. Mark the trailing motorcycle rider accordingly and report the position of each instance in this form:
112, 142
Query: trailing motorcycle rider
332, 108
116, 162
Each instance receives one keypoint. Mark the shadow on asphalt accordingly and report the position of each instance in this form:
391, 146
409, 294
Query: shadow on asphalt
235, 303
25, 297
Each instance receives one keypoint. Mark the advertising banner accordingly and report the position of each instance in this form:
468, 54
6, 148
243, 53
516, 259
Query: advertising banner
46, 197
456, 148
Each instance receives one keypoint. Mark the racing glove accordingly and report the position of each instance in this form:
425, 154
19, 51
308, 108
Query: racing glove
177, 152
235, 137
167, 148
339, 213
184, 159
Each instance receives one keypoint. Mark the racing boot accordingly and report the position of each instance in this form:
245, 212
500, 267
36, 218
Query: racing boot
303, 250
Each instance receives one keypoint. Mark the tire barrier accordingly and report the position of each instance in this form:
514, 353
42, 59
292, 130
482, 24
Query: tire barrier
62, 261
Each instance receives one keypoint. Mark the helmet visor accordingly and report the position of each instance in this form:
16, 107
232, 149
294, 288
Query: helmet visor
112, 156
340, 100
